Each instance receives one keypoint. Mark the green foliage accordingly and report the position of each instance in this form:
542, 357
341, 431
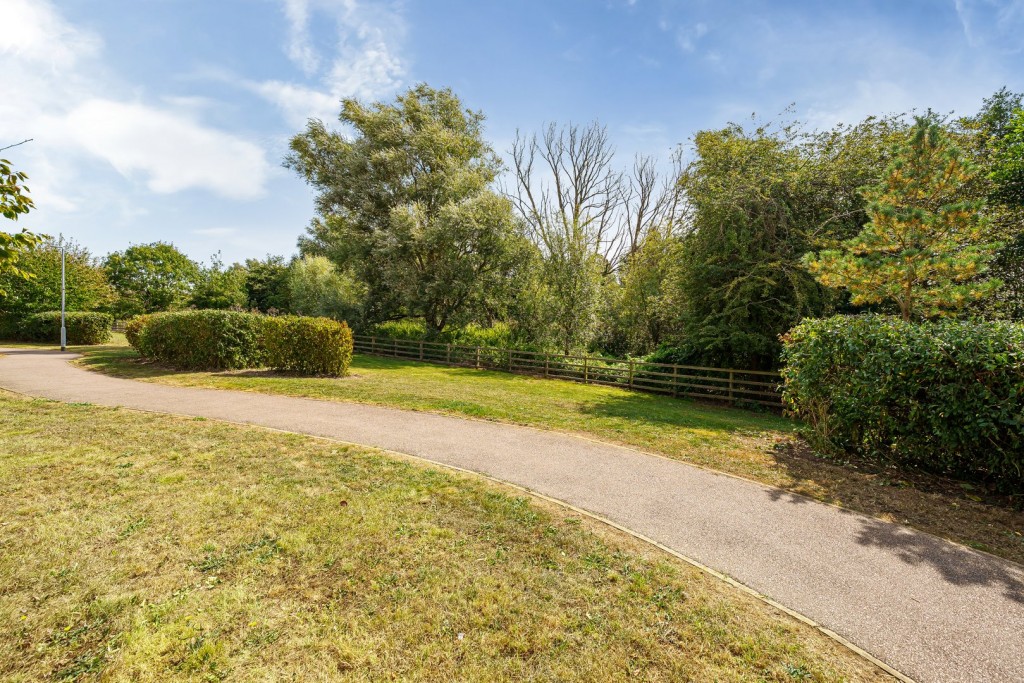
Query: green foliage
317, 288
924, 246
497, 336
405, 205
266, 284
150, 278
308, 346
759, 199
14, 202
1007, 172
218, 287
83, 328
946, 396
133, 331
640, 315
204, 340
87, 288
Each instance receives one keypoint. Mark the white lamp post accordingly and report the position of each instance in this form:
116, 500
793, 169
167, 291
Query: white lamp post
63, 328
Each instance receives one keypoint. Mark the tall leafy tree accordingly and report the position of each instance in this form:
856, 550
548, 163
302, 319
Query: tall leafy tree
86, 284
150, 277
924, 245
759, 200
316, 287
266, 284
14, 201
219, 286
404, 203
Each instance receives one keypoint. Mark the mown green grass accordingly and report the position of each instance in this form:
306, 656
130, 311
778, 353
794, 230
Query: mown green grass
136, 547
755, 445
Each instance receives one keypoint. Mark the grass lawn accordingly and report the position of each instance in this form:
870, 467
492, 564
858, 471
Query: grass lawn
759, 446
139, 547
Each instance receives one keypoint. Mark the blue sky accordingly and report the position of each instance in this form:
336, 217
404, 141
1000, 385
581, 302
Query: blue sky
168, 119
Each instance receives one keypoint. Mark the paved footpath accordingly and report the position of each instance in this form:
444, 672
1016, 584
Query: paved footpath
933, 610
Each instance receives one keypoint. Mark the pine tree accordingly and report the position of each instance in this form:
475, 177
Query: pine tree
922, 247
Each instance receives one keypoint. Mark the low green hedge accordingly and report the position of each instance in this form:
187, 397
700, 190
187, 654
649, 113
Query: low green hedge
308, 346
83, 328
230, 340
203, 340
946, 397
133, 329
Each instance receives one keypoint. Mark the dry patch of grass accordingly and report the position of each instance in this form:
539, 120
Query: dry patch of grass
136, 547
759, 446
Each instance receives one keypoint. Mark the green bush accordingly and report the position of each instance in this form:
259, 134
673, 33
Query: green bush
308, 346
83, 328
204, 340
945, 397
409, 329
133, 330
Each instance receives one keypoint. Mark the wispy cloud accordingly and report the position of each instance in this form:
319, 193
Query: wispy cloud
994, 24
366, 61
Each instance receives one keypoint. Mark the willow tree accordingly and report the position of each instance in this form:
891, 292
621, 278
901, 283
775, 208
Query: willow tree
404, 203
924, 246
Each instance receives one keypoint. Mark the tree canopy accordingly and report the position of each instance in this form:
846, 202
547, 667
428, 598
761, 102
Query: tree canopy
924, 246
150, 277
405, 205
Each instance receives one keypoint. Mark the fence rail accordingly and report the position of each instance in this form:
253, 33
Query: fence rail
717, 384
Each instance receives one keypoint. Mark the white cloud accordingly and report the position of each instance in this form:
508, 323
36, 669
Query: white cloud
366, 61
172, 152
79, 114
34, 31
299, 49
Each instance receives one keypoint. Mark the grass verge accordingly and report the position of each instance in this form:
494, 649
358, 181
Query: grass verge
758, 446
192, 550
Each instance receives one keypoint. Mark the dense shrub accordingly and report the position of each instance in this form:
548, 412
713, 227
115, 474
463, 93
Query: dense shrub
498, 336
83, 328
133, 330
204, 340
946, 397
308, 346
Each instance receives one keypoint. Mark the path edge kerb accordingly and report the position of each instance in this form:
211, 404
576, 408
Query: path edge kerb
725, 578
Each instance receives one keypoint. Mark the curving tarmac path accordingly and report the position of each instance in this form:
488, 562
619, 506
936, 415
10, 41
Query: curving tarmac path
933, 610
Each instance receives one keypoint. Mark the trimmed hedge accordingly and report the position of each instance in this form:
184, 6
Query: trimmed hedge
945, 397
84, 328
133, 329
231, 340
203, 340
308, 346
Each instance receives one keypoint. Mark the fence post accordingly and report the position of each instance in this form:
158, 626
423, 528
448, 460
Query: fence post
478, 358
421, 349
373, 345
448, 354
630, 373
730, 385
547, 361
510, 360
675, 381
586, 371
394, 348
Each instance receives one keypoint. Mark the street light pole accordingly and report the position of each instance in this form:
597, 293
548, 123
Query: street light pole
63, 328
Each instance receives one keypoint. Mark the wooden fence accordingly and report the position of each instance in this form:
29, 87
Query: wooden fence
718, 384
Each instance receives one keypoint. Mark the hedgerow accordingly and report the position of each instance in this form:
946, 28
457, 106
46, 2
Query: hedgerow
945, 397
231, 340
83, 328
308, 346
203, 340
